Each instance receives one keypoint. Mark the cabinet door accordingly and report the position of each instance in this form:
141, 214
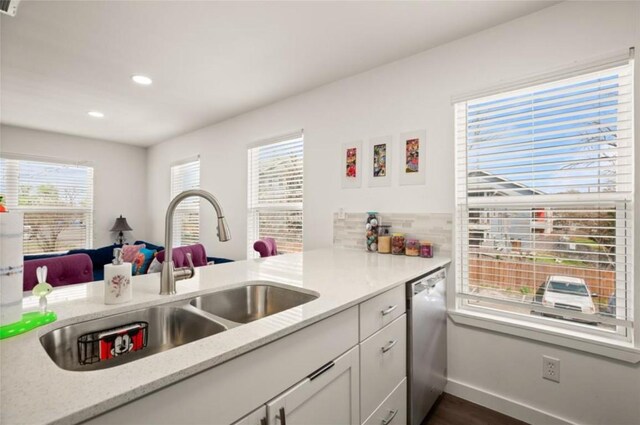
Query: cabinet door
329, 396
257, 417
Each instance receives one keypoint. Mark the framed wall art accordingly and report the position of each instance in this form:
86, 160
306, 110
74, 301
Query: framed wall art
379, 161
413, 161
351, 158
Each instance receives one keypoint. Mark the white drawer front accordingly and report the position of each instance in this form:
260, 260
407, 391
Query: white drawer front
392, 411
378, 312
383, 364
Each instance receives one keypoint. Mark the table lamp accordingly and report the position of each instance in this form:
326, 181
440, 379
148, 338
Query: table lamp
120, 226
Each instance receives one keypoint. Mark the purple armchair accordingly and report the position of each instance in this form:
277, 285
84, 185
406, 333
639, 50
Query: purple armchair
198, 255
63, 270
266, 247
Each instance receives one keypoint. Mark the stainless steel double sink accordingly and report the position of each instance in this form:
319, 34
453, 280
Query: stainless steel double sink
177, 323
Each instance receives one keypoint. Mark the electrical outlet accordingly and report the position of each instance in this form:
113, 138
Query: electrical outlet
551, 368
341, 214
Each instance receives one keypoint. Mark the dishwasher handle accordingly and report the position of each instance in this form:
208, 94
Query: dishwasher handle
429, 282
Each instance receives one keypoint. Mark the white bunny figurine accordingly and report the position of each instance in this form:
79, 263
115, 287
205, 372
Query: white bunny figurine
42, 289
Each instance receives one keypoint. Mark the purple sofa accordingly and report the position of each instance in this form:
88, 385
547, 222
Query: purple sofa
62, 270
266, 247
198, 255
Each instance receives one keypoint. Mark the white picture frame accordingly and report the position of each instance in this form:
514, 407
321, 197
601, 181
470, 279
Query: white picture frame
374, 177
406, 176
351, 182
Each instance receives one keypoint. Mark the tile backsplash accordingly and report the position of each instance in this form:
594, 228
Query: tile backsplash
349, 232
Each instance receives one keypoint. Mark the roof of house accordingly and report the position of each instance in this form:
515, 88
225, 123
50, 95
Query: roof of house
500, 186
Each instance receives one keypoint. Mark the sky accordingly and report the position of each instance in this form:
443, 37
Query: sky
554, 139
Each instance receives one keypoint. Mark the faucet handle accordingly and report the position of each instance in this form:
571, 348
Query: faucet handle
192, 268
185, 272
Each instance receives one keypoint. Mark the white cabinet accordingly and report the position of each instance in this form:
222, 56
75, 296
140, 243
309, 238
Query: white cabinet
257, 417
328, 396
365, 383
383, 358
225, 393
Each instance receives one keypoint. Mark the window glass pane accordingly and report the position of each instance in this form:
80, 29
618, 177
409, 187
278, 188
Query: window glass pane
186, 219
544, 198
276, 178
57, 202
54, 231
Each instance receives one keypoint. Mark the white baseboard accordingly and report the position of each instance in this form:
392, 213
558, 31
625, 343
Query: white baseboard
503, 405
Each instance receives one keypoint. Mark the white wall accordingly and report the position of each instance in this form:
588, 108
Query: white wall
120, 175
410, 94
504, 372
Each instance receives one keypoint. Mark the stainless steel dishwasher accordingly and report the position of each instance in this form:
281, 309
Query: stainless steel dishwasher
427, 343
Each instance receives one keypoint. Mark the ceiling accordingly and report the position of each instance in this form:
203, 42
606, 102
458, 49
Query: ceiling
208, 60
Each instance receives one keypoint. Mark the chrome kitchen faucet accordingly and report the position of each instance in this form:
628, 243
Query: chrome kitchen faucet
170, 274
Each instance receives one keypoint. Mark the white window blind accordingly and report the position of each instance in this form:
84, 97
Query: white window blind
275, 195
186, 220
544, 202
56, 200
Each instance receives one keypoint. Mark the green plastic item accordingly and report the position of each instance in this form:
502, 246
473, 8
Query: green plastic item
28, 322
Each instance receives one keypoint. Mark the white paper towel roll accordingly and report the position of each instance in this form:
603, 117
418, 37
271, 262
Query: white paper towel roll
11, 263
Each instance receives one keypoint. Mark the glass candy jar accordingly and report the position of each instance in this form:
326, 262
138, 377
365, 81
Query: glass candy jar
412, 248
397, 244
372, 232
426, 249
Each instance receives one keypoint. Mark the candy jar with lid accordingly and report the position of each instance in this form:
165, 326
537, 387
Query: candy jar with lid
372, 232
412, 248
397, 244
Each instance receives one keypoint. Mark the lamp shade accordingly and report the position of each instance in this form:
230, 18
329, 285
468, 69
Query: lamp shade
121, 225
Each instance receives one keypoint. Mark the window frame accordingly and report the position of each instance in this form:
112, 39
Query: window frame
575, 335
254, 208
89, 212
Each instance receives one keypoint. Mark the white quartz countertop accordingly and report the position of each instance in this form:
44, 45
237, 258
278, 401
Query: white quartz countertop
34, 390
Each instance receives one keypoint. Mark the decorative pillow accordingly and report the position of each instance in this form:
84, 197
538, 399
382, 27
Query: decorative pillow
142, 261
155, 266
129, 252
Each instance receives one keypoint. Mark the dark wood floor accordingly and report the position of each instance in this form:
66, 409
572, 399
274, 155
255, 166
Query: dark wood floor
452, 410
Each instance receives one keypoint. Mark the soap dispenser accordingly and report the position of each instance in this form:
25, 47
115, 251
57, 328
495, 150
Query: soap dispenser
117, 280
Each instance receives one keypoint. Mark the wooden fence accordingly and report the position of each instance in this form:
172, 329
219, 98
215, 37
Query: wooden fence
515, 276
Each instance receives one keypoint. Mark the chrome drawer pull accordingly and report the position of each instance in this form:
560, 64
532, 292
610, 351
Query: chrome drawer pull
389, 310
389, 346
282, 417
392, 414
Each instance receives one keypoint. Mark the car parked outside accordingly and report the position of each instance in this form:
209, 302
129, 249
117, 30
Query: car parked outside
568, 293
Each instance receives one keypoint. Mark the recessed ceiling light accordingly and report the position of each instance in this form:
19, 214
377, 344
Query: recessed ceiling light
96, 114
142, 80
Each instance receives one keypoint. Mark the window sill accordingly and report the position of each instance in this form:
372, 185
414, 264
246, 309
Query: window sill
622, 351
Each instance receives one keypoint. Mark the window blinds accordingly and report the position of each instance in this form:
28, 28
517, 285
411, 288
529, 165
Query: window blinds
544, 194
186, 220
275, 193
56, 200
